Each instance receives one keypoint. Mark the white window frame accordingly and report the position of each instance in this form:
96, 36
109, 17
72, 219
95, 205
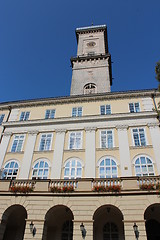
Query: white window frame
12, 176
70, 161
104, 158
141, 172
19, 135
50, 111
106, 138
77, 110
105, 111
24, 117
74, 148
38, 161
139, 137
45, 142
134, 107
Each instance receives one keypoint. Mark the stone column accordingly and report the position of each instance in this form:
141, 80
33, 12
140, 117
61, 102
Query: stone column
129, 232
58, 154
155, 136
90, 163
39, 225
125, 162
4, 146
88, 225
28, 154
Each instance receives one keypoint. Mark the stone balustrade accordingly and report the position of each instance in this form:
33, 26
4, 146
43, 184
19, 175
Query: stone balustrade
126, 184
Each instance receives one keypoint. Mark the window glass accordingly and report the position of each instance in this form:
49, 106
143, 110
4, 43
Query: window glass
106, 139
139, 137
24, 116
1, 118
40, 170
105, 109
143, 167
17, 143
50, 113
134, 107
108, 168
75, 140
45, 142
73, 169
10, 170
77, 112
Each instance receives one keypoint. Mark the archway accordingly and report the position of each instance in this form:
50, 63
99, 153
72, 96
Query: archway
108, 224
152, 217
58, 224
13, 223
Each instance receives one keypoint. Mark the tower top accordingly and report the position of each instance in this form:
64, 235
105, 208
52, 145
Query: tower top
91, 68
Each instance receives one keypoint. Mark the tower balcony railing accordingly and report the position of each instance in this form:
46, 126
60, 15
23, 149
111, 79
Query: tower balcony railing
121, 185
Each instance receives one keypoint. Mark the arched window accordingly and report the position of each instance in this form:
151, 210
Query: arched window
73, 169
107, 168
90, 88
67, 230
10, 170
144, 166
110, 231
40, 170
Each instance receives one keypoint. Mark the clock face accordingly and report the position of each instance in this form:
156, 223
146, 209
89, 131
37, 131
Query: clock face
91, 44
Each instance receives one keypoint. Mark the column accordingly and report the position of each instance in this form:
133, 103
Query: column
4, 146
28, 154
155, 136
39, 225
88, 225
90, 163
124, 151
129, 232
58, 154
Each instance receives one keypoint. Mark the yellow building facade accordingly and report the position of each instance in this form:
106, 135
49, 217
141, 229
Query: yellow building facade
88, 160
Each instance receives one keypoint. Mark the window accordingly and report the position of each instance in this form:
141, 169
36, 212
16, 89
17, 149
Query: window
40, 170
75, 140
90, 88
134, 107
144, 166
107, 168
45, 142
17, 143
1, 118
105, 109
10, 170
50, 113
106, 139
73, 169
24, 116
77, 112
139, 137
110, 231
67, 230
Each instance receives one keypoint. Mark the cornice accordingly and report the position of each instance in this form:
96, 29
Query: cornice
79, 99
84, 119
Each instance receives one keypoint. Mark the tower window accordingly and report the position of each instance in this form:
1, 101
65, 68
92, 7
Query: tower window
90, 88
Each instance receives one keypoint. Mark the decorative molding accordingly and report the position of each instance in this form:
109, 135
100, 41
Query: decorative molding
60, 131
90, 129
122, 127
33, 132
153, 125
5, 134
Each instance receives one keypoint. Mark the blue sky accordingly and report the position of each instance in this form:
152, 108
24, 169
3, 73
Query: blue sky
37, 39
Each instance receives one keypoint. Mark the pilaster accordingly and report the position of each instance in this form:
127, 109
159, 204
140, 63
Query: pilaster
90, 153
58, 154
155, 136
28, 154
4, 146
124, 151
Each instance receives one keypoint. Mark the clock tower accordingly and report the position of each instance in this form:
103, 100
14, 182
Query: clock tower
91, 68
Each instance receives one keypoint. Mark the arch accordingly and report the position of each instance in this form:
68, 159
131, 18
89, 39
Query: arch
10, 169
73, 168
40, 168
90, 88
108, 167
13, 222
108, 222
152, 217
143, 165
58, 223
